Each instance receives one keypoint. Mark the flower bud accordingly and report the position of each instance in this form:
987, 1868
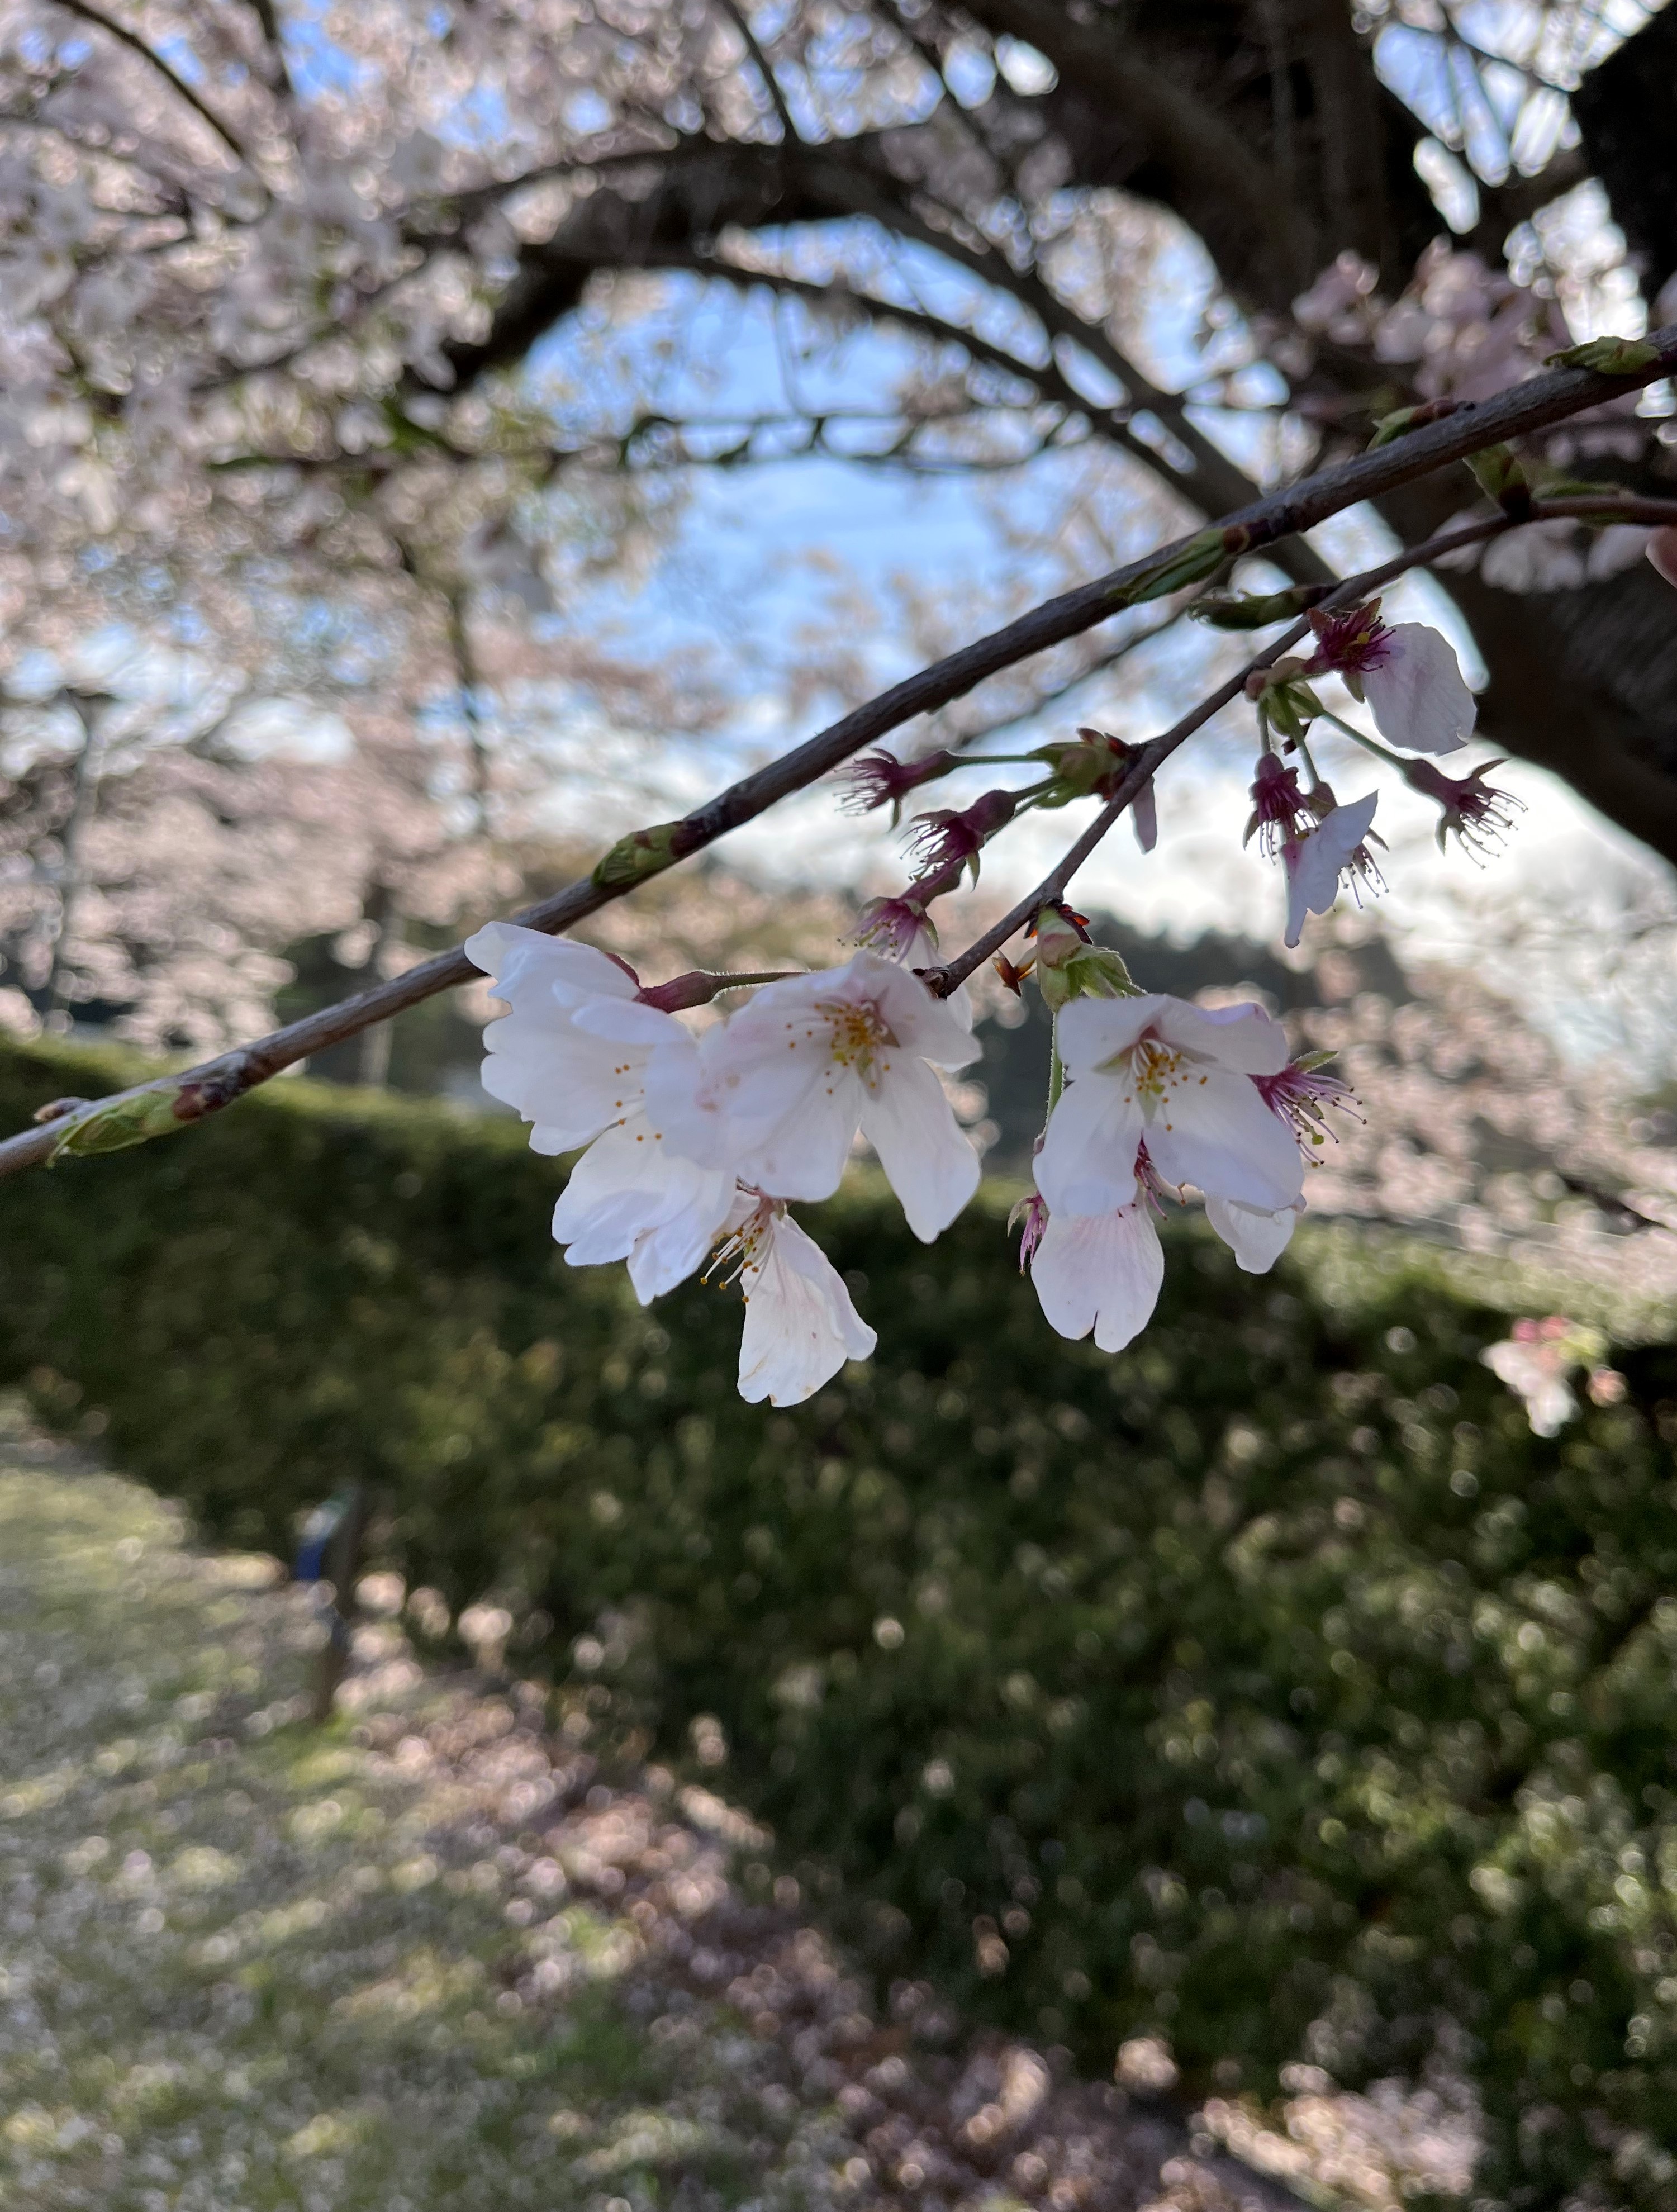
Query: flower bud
1069, 966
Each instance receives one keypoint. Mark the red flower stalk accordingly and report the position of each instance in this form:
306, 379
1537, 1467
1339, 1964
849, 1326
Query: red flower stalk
1469, 809
882, 780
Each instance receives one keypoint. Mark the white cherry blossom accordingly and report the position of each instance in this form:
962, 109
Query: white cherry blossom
569, 1078
800, 1325
786, 1084
633, 1197
1100, 1272
1316, 861
1408, 673
1177, 1077
573, 1056
1257, 1235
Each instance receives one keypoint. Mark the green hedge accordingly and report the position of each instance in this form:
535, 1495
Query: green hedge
1269, 1686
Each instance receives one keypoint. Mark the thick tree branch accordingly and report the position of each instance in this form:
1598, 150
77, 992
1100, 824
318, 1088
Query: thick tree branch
169, 1101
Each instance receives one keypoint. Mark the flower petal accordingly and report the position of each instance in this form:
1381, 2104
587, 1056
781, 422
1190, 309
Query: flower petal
514, 957
629, 1197
1087, 1163
1100, 1272
1246, 1039
800, 1325
1417, 695
929, 1162
1092, 1032
1257, 1237
920, 1022
1222, 1137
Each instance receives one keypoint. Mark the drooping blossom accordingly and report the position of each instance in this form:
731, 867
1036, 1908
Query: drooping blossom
1408, 674
1280, 813
1662, 551
800, 1325
1178, 1076
784, 1087
897, 929
573, 1056
1100, 1272
1332, 851
879, 779
1257, 1235
951, 838
1470, 810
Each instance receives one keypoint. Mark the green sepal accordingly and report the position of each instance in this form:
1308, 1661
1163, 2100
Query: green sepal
1608, 357
1500, 475
1255, 610
643, 853
1395, 425
1192, 563
128, 1120
1067, 969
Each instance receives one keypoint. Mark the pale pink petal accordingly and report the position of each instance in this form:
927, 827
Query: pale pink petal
1144, 814
1247, 1039
1087, 1163
1216, 1133
1100, 1272
922, 1023
805, 1155
622, 1021
630, 1198
514, 957
929, 1162
800, 1325
1417, 695
1315, 862
1257, 1237
1092, 1031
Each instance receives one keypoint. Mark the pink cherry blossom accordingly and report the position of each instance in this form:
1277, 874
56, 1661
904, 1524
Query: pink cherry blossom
1156, 1070
784, 1087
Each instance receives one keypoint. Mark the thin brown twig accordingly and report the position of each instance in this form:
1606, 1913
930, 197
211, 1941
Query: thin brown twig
136, 45
1054, 886
1529, 407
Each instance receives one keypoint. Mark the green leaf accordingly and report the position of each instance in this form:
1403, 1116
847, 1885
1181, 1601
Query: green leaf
1254, 610
643, 853
1192, 563
127, 1119
1608, 356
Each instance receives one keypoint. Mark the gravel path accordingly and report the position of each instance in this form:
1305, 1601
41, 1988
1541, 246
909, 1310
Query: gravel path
431, 1956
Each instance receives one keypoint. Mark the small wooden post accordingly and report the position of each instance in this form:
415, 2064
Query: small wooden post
342, 1570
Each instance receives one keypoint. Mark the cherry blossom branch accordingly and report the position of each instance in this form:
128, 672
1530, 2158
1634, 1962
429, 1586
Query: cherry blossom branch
1152, 755
167, 1102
